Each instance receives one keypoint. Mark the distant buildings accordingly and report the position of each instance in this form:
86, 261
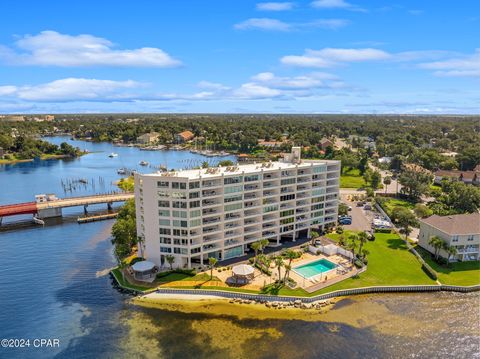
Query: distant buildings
385, 160
184, 136
467, 177
325, 143
461, 231
362, 142
12, 118
148, 138
272, 145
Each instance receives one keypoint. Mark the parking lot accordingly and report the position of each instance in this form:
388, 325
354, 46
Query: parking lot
361, 218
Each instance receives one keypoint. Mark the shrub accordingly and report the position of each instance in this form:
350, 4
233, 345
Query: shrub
339, 229
358, 263
135, 260
383, 230
251, 260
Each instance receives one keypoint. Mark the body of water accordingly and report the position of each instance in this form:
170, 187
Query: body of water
54, 284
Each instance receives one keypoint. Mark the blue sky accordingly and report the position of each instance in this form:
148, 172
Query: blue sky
323, 56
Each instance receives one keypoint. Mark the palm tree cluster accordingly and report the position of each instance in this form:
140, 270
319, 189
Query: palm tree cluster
438, 244
356, 241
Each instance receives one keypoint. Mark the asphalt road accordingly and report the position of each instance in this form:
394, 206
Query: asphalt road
361, 219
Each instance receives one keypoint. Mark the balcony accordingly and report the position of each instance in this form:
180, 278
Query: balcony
209, 202
251, 204
269, 193
211, 220
231, 242
251, 187
210, 229
232, 234
232, 216
209, 211
209, 247
250, 196
207, 184
250, 213
250, 221
267, 234
255, 228
210, 193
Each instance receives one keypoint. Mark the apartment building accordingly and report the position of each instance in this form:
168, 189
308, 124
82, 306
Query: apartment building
218, 212
460, 230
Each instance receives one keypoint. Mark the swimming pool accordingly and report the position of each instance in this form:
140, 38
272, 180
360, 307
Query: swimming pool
315, 268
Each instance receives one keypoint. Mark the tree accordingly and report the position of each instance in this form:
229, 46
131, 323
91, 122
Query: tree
352, 244
287, 270
264, 243
124, 230
460, 197
313, 234
451, 252
362, 239
257, 247
437, 243
290, 255
376, 179
205, 164
225, 163
212, 262
367, 176
405, 219
279, 264
170, 259
422, 211
415, 182
342, 208
386, 181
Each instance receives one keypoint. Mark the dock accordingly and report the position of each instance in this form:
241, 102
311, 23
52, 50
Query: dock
95, 218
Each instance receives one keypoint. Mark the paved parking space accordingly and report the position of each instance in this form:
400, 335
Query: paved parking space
361, 219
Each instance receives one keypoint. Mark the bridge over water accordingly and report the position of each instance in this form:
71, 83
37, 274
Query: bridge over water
47, 206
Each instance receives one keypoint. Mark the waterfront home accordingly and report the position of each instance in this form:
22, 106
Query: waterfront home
148, 138
184, 136
219, 212
467, 177
461, 231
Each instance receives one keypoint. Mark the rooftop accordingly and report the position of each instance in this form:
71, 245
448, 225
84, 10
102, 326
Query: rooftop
458, 224
237, 169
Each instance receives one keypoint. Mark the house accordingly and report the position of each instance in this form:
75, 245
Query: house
271, 144
148, 138
461, 231
184, 136
467, 177
325, 143
243, 158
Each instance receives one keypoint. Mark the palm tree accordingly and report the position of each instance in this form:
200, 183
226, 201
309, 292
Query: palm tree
352, 245
341, 240
287, 272
313, 234
121, 266
170, 259
264, 243
279, 264
452, 252
256, 246
212, 262
437, 243
365, 253
363, 238
386, 181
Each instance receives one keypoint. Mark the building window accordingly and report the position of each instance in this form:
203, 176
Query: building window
195, 222
287, 181
163, 194
164, 222
193, 185
470, 238
195, 250
231, 180
193, 195
165, 240
319, 169
179, 214
163, 184
177, 223
233, 198
179, 204
163, 203
194, 204
286, 213
180, 232
181, 195
180, 250
195, 213
317, 206
251, 178
232, 207
287, 197
233, 189
455, 239
165, 250
164, 231
164, 213
179, 185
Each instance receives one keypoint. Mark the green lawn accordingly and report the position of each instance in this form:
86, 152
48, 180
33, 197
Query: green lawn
352, 179
389, 263
389, 204
118, 275
460, 273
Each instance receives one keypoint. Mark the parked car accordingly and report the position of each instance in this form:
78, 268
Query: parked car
360, 204
349, 208
367, 207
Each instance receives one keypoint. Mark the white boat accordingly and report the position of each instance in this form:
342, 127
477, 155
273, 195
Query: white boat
143, 163
113, 154
122, 171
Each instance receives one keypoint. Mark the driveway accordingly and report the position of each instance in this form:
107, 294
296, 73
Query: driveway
361, 219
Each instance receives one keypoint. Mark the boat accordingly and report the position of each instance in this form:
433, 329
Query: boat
113, 154
122, 171
143, 163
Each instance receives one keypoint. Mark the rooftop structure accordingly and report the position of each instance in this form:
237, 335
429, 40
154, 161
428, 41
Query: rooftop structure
218, 212
184, 136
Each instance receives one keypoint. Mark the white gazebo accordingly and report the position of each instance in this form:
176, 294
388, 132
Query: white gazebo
144, 271
243, 272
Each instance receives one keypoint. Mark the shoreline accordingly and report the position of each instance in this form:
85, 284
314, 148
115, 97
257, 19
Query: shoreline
41, 158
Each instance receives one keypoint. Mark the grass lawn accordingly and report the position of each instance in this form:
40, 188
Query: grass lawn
460, 273
391, 203
118, 275
352, 179
389, 263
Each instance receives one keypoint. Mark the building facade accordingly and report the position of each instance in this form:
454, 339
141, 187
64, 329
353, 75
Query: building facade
148, 138
218, 212
461, 231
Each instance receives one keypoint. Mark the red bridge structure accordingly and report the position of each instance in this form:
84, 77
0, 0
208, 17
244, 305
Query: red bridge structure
47, 206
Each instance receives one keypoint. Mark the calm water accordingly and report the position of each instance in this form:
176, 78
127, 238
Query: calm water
54, 284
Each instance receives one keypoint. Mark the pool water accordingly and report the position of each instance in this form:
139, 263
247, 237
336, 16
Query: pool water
315, 268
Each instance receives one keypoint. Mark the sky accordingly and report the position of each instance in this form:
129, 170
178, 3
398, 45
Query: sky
240, 56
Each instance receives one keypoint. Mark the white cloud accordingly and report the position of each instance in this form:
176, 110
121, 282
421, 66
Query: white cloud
309, 81
330, 57
335, 4
277, 25
275, 6
212, 86
252, 90
72, 89
462, 66
263, 24
51, 48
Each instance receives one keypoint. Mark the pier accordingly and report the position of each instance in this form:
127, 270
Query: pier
49, 206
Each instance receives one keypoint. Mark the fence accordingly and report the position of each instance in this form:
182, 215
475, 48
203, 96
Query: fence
338, 293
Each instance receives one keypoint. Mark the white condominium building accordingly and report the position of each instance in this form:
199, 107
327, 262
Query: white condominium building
217, 212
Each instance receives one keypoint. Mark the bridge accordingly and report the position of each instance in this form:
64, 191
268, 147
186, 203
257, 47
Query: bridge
47, 206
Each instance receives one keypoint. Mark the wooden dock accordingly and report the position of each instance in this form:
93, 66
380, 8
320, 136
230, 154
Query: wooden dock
95, 218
